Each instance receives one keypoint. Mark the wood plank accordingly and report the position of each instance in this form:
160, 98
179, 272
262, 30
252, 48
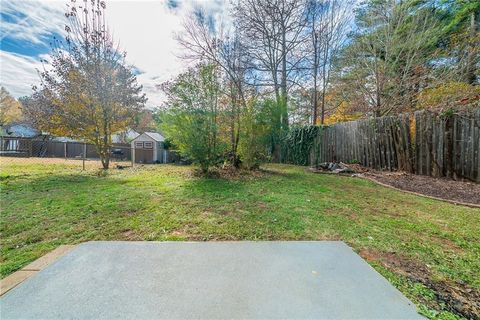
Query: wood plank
418, 144
477, 139
440, 147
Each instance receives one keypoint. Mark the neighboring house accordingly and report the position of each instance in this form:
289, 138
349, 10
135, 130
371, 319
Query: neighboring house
149, 148
15, 139
19, 130
120, 138
125, 137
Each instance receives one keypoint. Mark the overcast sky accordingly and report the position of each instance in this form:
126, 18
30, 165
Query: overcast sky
144, 28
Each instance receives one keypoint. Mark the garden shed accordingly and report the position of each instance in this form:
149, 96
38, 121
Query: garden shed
149, 148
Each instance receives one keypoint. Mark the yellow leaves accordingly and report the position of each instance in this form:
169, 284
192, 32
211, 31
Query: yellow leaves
341, 114
456, 95
10, 110
74, 75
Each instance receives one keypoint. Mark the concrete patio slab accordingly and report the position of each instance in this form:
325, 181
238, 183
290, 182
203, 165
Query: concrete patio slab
42, 262
207, 280
19, 276
9, 282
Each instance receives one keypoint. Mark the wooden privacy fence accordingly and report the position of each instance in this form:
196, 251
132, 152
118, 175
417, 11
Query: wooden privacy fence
425, 143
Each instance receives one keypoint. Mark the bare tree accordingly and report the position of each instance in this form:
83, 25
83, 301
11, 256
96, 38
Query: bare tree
273, 30
328, 27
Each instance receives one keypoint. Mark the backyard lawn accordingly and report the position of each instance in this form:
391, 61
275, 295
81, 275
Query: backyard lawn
428, 249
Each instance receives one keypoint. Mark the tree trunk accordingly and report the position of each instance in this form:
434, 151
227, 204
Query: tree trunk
106, 161
105, 154
322, 120
315, 102
324, 91
284, 82
315, 74
378, 102
103, 149
470, 75
324, 83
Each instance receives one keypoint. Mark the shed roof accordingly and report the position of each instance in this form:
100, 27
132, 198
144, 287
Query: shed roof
154, 135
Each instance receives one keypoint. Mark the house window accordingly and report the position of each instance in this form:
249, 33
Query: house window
12, 145
138, 144
148, 145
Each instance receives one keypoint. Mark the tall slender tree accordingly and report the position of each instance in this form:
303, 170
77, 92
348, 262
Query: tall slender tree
274, 32
90, 93
389, 53
328, 24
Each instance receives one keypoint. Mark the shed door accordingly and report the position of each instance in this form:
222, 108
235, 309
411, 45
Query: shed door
143, 152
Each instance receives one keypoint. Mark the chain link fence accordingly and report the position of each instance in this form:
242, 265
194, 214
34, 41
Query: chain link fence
38, 149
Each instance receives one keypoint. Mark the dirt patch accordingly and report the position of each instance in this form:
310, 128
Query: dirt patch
461, 192
459, 298
130, 235
458, 191
182, 231
262, 205
129, 213
187, 232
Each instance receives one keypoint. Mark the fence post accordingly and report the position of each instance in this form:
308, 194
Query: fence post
84, 154
65, 150
133, 155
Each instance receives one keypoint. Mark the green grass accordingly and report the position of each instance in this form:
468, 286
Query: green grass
44, 205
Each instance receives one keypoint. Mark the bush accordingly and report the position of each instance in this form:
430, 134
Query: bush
252, 148
191, 121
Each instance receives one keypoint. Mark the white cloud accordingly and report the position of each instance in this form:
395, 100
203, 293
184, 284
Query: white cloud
18, 73
145, 29
32, 21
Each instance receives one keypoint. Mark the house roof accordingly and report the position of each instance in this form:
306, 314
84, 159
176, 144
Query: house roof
66, 139
154, 135
20, 130
125, 136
